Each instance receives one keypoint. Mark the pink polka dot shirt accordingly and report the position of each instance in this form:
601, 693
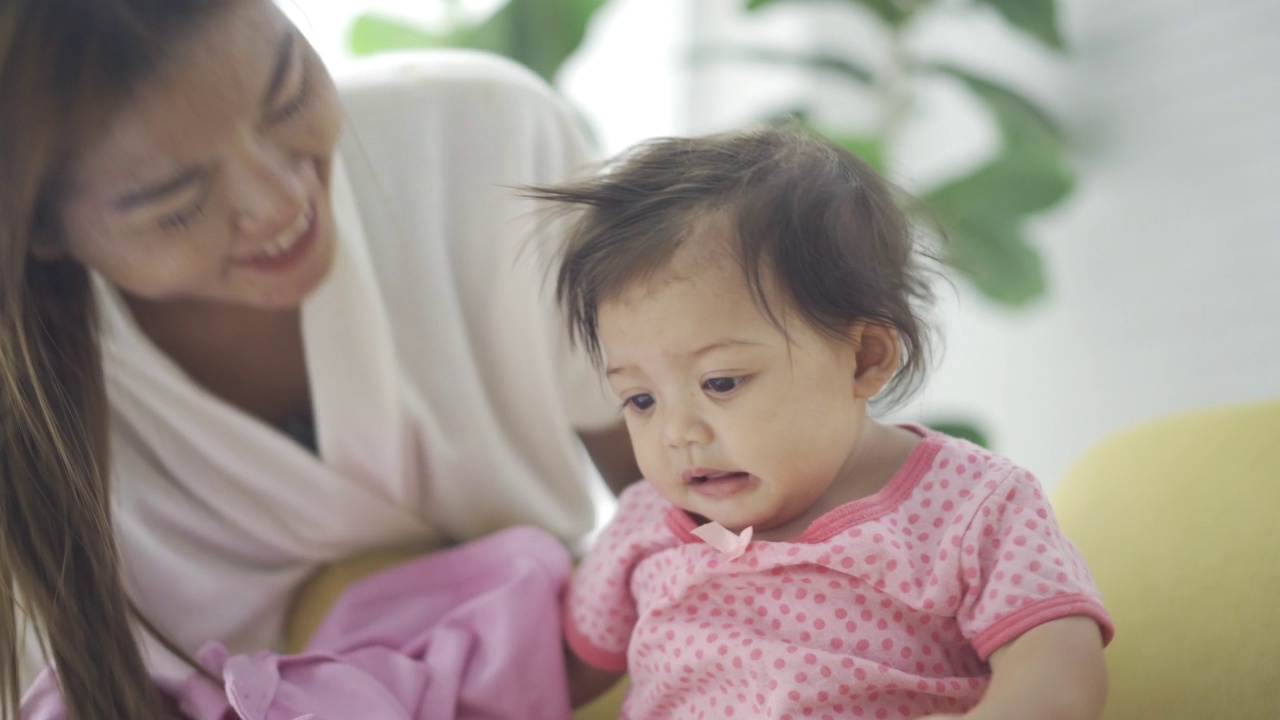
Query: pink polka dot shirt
887, 607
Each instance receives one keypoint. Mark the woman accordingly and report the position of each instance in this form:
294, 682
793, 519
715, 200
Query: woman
228, 358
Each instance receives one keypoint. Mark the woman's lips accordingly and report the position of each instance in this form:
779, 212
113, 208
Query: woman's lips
296, 249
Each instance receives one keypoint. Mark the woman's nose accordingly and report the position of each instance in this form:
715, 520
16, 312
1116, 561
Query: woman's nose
267, 189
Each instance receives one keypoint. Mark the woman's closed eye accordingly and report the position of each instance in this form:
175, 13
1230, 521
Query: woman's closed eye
183, 219
294, 106
723, 385
186, 215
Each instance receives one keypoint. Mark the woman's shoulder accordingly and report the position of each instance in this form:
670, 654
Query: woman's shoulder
455, 70
476, 120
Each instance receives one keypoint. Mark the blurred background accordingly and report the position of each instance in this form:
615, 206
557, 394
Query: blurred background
1109, 172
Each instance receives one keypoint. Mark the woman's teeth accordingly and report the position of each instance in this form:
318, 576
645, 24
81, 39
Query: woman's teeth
285, 241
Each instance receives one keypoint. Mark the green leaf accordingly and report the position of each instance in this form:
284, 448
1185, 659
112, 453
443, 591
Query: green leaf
999, 262
771, 56
373, 33
540, 34
787, 117
982, 216
1039, 18
1012, 185
870, 149
889, 11
963, 429
1022, 122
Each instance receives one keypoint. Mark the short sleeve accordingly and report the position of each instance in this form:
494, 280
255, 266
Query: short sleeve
1019, 571
600, 611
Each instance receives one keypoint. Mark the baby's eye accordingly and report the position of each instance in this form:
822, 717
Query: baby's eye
640, 401
723, 385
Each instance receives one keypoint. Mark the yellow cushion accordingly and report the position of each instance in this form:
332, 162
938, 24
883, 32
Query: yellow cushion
1178, 521
606, 706
321, 592
315, 598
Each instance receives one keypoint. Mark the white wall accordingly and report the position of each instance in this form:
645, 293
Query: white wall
630, 76
1164, 265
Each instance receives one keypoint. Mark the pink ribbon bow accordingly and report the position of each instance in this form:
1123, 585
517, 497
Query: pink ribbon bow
724, 539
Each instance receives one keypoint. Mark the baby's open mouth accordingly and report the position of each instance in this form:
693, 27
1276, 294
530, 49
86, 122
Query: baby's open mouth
701, 476
718, 484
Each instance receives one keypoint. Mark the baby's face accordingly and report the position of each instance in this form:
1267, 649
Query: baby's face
730, 420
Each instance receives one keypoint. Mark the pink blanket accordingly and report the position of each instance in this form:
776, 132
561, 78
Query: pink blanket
468, 633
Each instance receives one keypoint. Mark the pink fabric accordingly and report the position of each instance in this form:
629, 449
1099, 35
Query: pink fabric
883, 608
469, 633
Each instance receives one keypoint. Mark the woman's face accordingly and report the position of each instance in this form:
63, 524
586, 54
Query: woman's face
212, 184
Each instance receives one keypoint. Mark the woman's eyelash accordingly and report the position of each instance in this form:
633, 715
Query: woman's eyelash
182, 220
295, 105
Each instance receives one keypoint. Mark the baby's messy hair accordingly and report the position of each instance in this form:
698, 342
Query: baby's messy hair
820, 221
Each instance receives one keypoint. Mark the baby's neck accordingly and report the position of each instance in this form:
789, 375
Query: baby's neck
881, 452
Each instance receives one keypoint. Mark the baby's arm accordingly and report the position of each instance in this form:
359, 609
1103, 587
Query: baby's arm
587, 682
600, 612
1052, 672
1031, 610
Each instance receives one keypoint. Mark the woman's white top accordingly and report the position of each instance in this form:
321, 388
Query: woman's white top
445, 396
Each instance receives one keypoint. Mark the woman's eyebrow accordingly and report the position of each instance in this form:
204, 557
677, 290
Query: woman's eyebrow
281, 68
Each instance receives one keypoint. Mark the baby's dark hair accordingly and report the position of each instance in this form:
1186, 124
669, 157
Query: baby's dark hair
822, 222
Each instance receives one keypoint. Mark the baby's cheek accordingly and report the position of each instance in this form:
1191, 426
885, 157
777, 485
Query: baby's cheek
650, 454
815, 444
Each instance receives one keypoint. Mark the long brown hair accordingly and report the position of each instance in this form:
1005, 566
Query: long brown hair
808, 212
65, 67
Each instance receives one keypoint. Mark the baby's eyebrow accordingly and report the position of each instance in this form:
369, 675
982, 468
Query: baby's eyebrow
710, 347
616, 370
721, 344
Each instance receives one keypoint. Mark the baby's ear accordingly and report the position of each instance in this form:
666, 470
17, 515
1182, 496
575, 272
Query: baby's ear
878, 354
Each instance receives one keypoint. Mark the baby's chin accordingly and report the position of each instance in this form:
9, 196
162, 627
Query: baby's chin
778, 527
735, 523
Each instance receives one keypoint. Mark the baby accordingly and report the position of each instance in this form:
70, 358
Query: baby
788, 556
